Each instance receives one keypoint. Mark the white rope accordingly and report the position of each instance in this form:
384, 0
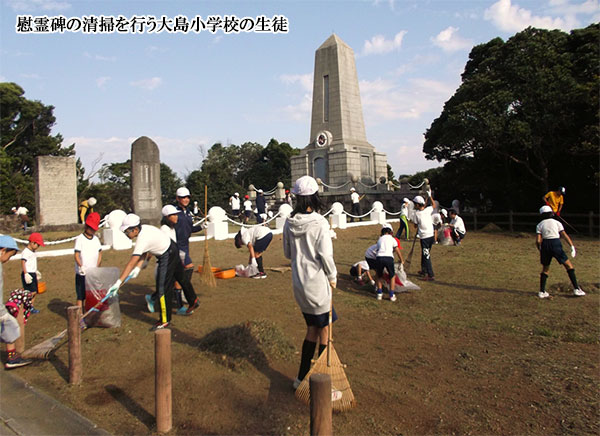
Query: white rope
392, 213
62, 241
334, 187
416, 187
328, 212
253, 225
394, 185
269, 192
368, 186
359, 216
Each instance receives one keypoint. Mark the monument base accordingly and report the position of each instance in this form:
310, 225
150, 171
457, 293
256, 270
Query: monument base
338, 221
217, 230
377, 216
117, 239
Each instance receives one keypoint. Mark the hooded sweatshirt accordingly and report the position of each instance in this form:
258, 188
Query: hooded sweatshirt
307, 243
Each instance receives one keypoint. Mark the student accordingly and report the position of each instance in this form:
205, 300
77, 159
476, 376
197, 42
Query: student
404, 209
371, 259
85, 208
9, 327
307, 243
184, 229
386, 246
547, 240
247, 209
88, 254
30, 274
555, 199
234, 203
257, 239
457, 225
151, 241
426, 234
169, 221
359, 269
355, 199
261, 206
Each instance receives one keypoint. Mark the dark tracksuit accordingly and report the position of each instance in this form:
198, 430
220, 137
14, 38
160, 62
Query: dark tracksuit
260, 207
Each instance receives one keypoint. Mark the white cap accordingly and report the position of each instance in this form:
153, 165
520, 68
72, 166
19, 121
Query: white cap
387, 226
352, 189
305, 185
131, 220
169, 209
444, 212
183, 192
92, 201
419, 200
405, 200
545, 209
260, 191
237, 194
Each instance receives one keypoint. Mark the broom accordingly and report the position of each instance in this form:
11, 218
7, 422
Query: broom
43, 349
206, 276
409, 258
329, 363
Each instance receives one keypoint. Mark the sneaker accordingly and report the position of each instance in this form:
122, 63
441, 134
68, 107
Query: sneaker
193, 307
34, 310
260, 275
393, 298
16, 362
379, 295
543, 294
297, 383
578, 292
82, 324
427, 279
149, 303
159, 326
421, 273
181, 311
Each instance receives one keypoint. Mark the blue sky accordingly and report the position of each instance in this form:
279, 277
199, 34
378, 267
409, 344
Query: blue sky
187, 91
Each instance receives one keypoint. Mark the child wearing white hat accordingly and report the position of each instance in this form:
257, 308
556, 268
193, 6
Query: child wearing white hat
307, 243
387, 245
547, 239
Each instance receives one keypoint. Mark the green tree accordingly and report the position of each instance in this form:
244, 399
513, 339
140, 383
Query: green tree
526, 108
169, 182
25, 133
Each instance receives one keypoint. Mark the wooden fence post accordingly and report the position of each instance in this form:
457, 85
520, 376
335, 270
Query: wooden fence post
320, 405
74, 332
162, 380
20, 342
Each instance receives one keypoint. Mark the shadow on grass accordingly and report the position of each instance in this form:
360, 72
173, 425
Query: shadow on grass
59, 306
481, 288
131, 405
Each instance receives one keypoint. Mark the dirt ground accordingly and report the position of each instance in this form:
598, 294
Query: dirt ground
475, 352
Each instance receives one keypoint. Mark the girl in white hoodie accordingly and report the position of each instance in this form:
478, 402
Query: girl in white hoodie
307, 243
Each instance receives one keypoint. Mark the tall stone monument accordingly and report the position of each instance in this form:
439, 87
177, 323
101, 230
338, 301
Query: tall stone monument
55, 191
145, 180
338, 149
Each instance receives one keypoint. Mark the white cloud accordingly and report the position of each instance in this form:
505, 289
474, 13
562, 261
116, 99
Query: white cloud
33, 76
32, 5
99, 57
305, 80
101, 81
379, 45
449, 40
512, 18
300, 111
147, 84
565, 7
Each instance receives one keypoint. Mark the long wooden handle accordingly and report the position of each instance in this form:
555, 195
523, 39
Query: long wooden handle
330, 333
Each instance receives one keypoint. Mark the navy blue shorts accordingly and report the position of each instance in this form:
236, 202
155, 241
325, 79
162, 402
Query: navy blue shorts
321, 320
387, 263
247, 213
262, 244
31, 287
552, 248
372, 263
80, 287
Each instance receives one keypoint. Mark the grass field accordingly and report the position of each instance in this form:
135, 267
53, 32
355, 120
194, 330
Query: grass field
475, 352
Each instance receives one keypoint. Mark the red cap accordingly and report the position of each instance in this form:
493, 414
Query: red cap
37, 238
246, 197
93, 220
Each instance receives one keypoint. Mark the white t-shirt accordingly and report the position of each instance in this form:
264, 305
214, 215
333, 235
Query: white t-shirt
363, 264
424, 221
436, 219
169, 231
404, 210
152, 240
89, 250
247, 205
458, 223
355, 197
386, 245
253, 234
31, 260
371, 252
235, 203
22, 211
548, 228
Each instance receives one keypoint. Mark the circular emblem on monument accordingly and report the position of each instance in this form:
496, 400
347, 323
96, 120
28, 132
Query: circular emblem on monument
323, 139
